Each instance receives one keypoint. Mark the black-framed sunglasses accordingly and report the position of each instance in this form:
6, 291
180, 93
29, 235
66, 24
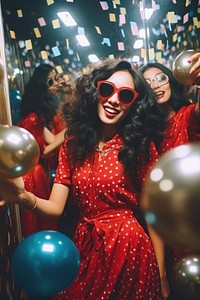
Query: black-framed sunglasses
126, 95
51, 80
160, 79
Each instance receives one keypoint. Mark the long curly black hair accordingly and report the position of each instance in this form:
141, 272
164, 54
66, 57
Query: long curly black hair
36, 97
178, 98
144, 123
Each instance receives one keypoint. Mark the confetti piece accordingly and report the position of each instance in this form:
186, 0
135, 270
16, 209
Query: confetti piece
28, 45
59, 69
50, 2
56, 24
120, 46
196, 22
187, 3
67, 43
37, 32
12, 35
123, 34
78, 57
106, 41
81, 30
42, 22
174, 38
171, 17
111, 56
43, 54
143, 53
19, 13
151, 53
134, 28
56, 51
123, 10
112, 17
104, 5
185, 18
122, 19
98, 30
159, 45
114, 5
117, 2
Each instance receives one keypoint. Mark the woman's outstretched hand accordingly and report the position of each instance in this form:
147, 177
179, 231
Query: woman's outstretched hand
10, 190
195, 60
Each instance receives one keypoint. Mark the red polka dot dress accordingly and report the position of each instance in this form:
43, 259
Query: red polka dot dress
36, 181
184, 128
117, 257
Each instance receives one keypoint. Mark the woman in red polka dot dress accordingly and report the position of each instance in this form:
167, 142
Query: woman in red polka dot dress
183, 127
114, 128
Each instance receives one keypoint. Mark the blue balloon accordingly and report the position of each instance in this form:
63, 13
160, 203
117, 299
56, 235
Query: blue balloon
45, 263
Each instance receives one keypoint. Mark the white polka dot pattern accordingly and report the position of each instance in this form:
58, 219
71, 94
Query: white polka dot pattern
117, 258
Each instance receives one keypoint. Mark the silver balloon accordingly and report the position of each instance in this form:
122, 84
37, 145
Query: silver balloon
171, 201
185, 278
19, 151
181, 68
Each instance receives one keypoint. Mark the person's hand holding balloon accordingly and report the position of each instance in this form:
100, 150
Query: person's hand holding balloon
186, 67
11, 190
195, 69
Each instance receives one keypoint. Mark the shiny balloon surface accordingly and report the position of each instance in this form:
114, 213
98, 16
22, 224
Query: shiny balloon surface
1, 74
181, 68
19, 151
186, 278
171, 201
45, 263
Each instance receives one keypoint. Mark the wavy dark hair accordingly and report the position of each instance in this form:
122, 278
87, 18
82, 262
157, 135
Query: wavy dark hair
145, 121
178, 98
36, 97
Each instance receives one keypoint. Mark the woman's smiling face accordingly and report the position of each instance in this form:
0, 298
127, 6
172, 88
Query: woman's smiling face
163, 92
111, 110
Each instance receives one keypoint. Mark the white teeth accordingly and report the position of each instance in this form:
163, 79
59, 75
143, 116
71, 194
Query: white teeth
159, 93
110, 111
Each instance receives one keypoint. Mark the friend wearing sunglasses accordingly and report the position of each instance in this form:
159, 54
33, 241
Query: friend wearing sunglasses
38, 109
184, 122
108, 150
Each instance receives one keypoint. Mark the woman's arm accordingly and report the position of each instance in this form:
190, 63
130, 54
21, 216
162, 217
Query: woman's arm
13, 191
195, 60
159, 248
53, 141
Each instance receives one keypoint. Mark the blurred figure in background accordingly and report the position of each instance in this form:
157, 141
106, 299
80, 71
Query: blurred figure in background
38, 108
184, 127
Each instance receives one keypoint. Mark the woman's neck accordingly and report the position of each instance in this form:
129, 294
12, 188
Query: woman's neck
171, 112
108, 132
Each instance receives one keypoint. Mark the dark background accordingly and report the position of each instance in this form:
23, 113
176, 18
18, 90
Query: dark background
88, 14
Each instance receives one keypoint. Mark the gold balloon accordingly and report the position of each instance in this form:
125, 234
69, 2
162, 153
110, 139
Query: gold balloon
181, 68
19, 151
171, 201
